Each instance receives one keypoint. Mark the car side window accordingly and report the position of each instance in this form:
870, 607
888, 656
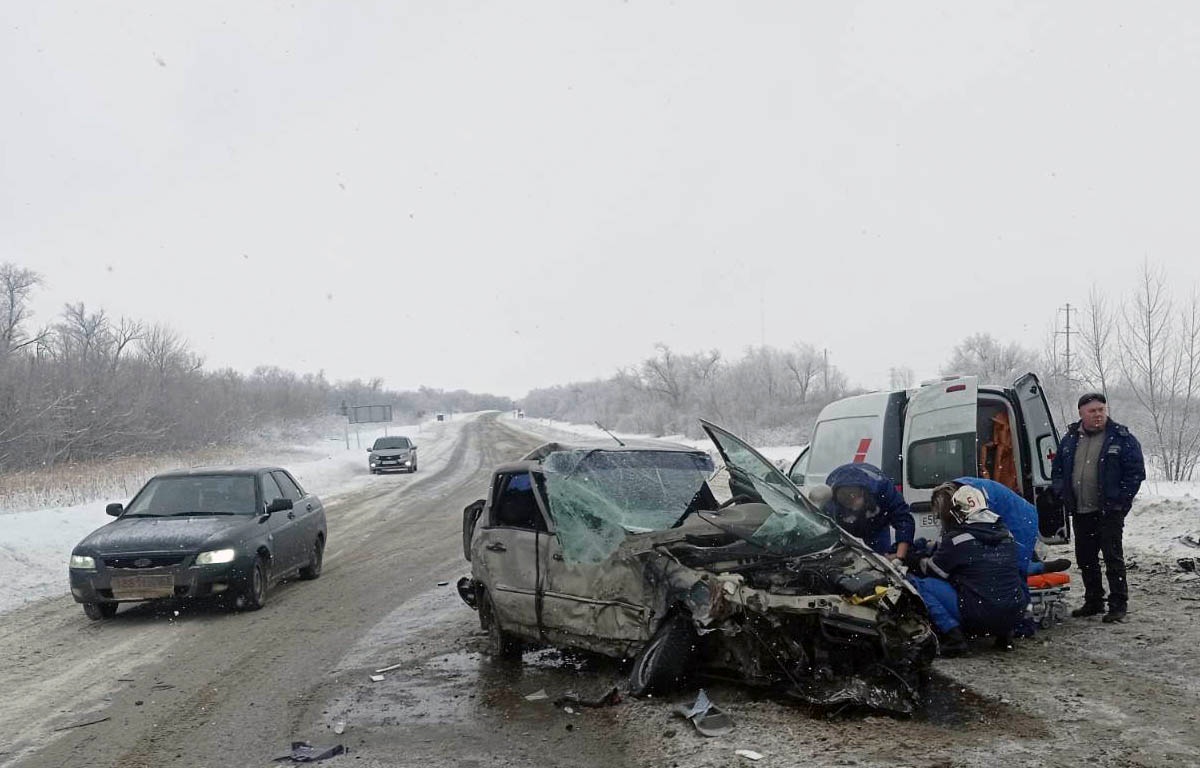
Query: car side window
515, 505
270, 489
288, 486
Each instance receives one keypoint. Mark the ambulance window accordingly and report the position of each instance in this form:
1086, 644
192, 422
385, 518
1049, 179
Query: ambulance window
932, 462
840, 441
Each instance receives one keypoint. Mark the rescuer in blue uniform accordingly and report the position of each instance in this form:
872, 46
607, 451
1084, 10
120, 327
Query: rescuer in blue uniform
973, 583
866, 503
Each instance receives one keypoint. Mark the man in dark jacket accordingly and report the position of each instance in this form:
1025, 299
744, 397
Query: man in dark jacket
1097, 472
866, 503
973, 583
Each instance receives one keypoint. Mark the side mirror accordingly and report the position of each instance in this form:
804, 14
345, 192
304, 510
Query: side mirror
279, 505
370, 449
115, 509
412, 447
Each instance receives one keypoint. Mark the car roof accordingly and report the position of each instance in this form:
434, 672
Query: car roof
238, 470
608, 445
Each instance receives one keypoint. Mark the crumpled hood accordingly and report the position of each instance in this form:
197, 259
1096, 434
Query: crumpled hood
163, 534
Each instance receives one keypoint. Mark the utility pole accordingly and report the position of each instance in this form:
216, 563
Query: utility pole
825, 367
1068, 309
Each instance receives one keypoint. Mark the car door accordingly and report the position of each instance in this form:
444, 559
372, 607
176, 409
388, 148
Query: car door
508, 550
591, 598
1038, 433
284, 532
307, 509
940, 443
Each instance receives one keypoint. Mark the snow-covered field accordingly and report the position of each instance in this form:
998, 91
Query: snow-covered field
35, 544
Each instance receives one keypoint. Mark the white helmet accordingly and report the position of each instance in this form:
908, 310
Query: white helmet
966, 501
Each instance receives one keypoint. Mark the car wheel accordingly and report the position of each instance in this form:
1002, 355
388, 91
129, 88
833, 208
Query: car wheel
97, 611
664, 661
501, 644
316, 560
254, 593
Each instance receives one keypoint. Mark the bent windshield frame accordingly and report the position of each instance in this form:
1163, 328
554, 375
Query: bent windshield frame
797, 527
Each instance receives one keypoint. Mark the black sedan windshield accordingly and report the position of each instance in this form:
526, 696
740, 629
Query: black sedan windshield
195, 495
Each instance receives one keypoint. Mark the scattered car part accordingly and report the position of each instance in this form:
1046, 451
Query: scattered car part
303, 752
706, 717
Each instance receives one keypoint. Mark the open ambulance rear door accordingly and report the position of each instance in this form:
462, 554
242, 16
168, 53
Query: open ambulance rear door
1040, 441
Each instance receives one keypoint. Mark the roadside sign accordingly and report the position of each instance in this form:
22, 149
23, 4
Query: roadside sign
369, 414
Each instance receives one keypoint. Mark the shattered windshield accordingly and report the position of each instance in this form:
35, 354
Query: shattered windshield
792, 528
795, 527
597, 497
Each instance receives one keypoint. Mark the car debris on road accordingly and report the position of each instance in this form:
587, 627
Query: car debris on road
303, 752
706, 717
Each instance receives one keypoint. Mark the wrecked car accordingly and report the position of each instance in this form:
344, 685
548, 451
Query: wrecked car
625, 550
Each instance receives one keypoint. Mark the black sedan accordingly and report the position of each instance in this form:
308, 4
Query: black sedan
200, 532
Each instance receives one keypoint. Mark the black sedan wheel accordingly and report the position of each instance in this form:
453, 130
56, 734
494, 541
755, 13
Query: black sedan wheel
254, 594
97, 611
316, 560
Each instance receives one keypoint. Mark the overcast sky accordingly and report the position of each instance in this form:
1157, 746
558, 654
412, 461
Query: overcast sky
504, 195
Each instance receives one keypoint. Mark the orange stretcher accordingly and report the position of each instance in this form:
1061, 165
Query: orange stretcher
1047, 597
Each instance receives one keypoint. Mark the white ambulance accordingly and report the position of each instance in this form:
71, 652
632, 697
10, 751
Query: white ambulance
948, 428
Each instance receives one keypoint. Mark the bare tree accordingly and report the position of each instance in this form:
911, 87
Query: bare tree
1096, 333
901, 377
1160, 363
663, 374
984, 356
805, 366
126, 333
16, 283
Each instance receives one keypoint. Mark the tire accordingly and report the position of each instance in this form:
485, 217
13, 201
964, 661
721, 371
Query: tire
98, 611
254, 593
501, 644
317, 561
414, 468
664, 662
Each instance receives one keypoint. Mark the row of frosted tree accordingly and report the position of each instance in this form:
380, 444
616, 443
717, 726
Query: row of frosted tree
91, 386
769, 395
1137, 341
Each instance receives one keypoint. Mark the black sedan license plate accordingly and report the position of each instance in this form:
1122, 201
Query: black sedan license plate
142, 587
